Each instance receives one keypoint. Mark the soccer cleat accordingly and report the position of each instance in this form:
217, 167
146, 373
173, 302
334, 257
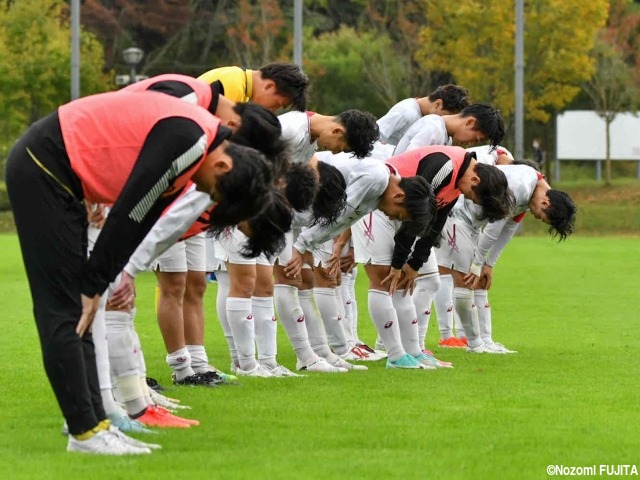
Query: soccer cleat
166, 402
153, 384
427, 357
167, 413
341, 363
482, 348
124, 423
463, 340
209, 379
155, 416
320, 365
498, 348
258, 371
281, 371
374, 355
132, 441
228, 378
426, 361
105, 442
406, 362
451, 342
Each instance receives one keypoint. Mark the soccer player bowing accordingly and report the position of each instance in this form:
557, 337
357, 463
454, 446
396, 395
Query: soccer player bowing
139, 161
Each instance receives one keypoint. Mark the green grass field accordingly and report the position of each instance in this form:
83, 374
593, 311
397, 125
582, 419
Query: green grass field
569, 397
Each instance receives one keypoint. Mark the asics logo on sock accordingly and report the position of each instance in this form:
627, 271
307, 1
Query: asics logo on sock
273, 319
427, 312
181, 359
300, 319
348, 302
249, 317
414, 321
388, 324
450, 309
486, 305
339, 318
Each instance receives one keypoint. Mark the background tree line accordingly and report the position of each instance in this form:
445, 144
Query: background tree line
365, 54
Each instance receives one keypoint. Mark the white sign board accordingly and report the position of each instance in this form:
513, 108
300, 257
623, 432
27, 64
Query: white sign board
581, 136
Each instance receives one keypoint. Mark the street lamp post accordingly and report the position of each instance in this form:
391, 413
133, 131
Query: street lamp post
132, 57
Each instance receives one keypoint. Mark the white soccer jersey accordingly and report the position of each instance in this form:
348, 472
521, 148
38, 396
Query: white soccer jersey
395, 123
367, 180
180, 215
489, 155
522, 180
296, 131
428, 130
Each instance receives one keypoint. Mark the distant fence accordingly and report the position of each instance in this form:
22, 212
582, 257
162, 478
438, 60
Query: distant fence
581, 135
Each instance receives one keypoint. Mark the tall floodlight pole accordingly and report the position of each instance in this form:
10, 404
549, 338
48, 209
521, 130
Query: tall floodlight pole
75, 49
519, 85
297, 32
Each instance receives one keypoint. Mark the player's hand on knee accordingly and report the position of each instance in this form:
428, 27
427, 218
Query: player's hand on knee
408, 280
294, 267
89, 308
392, 279
124, 295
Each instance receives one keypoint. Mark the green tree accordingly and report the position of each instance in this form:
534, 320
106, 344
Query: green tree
35, 64
352, 70
615, 86
475, 42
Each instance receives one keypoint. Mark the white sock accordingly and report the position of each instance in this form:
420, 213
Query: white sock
180, 363
242, 325
342, 312
131, 394
481, 300
407, 322
444, 306
221, 308
345, 308
385, 320
266, 330
327, 302
463, 301
292, 319
423, 293
123, 356
99, 332
315, 329
354, 305
199, 358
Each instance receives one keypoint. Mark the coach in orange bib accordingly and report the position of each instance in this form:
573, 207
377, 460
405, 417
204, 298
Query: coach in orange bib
136, 152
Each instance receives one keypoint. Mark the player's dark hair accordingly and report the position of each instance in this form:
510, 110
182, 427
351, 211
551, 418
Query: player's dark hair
301, 186
420, 202
360, 131
488, 121
454, 97
528, 163
331, 198
269, 227
244, 191
261, 129
493, 192
290, 81
561, 214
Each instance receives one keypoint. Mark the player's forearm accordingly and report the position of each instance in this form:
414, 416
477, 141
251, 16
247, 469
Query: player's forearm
499, 245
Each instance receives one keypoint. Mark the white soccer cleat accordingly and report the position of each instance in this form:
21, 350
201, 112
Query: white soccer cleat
482, 348
320, 365
281, 371
104, 442
498, 348
374, 355
170, 404
258, 372
132, 441
341, 363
